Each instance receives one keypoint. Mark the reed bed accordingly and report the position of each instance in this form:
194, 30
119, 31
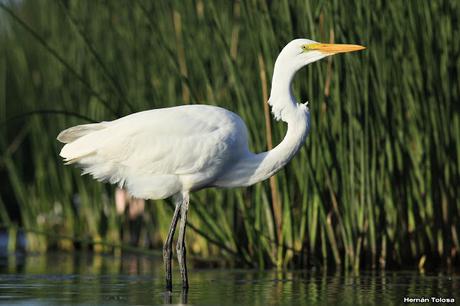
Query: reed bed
376, 184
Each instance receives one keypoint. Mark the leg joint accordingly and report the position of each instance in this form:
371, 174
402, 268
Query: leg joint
167, 250
180, 248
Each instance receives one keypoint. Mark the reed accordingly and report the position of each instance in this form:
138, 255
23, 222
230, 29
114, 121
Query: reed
375, 185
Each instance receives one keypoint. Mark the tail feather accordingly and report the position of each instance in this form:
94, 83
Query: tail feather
71, 134
77, 145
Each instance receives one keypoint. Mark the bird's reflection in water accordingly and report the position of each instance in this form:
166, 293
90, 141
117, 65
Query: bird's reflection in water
167, 297
183, 297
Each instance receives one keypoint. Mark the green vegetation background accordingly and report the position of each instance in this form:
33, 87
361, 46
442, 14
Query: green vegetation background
376, 184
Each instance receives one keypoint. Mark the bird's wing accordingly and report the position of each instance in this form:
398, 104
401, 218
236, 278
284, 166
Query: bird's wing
177, 141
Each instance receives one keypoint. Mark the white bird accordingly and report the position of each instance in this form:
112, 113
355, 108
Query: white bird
166, 152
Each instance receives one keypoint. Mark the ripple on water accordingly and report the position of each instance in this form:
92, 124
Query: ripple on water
81, 279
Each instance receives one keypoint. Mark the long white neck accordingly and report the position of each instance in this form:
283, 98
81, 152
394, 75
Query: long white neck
253, 168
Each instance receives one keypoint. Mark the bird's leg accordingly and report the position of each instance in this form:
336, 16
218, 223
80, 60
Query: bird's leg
167, 247
180, 247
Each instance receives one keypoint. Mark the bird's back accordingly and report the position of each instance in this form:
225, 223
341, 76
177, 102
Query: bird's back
157, 153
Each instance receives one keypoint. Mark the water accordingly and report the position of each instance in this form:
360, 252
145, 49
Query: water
57, 279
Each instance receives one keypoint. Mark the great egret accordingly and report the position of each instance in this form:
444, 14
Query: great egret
172, 151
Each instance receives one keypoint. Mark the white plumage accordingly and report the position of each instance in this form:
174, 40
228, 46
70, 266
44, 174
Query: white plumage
157, 153
171, 151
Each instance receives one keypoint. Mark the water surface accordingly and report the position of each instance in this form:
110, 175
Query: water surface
57, 279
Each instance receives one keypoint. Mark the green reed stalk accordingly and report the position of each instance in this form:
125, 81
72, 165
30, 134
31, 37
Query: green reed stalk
375, 185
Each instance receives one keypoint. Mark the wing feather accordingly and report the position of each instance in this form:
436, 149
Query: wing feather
163, 143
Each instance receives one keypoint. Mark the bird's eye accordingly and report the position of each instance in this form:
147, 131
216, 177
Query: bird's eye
305, 48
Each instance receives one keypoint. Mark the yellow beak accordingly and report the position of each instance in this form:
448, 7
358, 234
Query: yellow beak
334, 48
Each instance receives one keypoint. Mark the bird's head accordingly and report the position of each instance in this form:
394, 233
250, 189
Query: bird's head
301, 52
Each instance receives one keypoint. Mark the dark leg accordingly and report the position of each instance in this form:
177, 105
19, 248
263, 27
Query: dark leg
180, 247
167, 247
